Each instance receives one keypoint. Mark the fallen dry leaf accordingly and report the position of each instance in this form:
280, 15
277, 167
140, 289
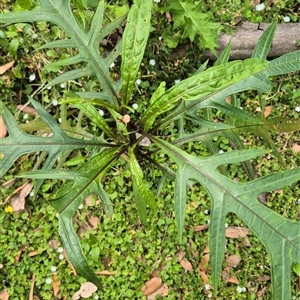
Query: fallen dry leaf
263, 278
162, 291
27, 110
236, 232
193, 248
86, 291
6, 67
31, 295
55, 285
204, 263
9, 183
89, 200
233, 279
93, 221
32, 253
200, 227
18, 201
126, 119
151, 286
267, 111
296, 148
204, 277
4, 295
105, 272
233, 260
53, 244
183, 261
3, 129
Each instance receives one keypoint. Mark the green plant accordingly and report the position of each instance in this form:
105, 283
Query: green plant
132, 140
190, 22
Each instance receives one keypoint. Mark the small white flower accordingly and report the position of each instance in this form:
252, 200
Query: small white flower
286, 19
32, 77
48, 280
62, 85
226, 225
297, 108
156, 1
112, 65
298, 201
80, 206
34, 36
138, 81
61, 256
96, 297
260, 7
152, 62
221, 151
177, 81
208, 221
54, 102
49, 87
207, 287
135, 106
101, 112
31, 194
59, 120
25, 117
206, 211
240, 289
60, 250
160, 38
209, 295
53, 269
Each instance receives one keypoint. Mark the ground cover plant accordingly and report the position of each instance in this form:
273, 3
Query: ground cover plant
161, 135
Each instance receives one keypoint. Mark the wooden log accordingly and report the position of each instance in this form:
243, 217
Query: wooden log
243, 41
245, 38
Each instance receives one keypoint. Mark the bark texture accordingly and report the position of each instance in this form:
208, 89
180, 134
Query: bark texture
245, 38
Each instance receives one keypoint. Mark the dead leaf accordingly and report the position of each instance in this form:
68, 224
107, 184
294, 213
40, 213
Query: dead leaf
125, 119
55, 285
31, 295
200, 227
151, 286
162, 291
4, 295
183, 261
18, 201
18, 256
233, 260
296, 148
6, 67
263, 278
233, 279
105, 272
3, 129
261, 293
27, 110
32, 253
236, 232
53, 244
204, 277
89, 200
206, 250
86, 291
204, 263
193, 248
93, 221
9, 183
267, 111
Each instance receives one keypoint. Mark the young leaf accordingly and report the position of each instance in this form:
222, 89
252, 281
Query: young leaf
202, 85
134, 43
143, 196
